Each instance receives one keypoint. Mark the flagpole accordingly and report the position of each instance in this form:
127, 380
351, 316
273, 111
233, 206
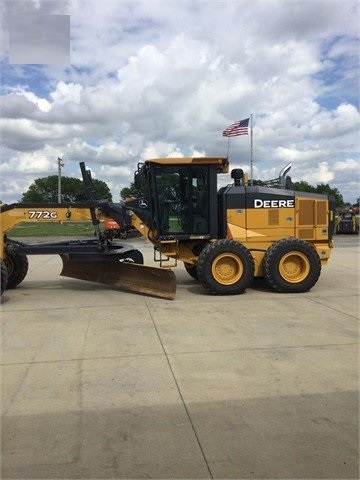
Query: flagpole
251, 149
228, 145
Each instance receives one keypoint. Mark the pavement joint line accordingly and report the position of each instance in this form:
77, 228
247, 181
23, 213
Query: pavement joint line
39, 309
164, 304
205, 300
192, 352
356, 317
24, 376
265, 348
87, 359
181, 397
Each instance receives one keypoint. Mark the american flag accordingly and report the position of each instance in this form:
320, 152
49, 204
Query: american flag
237, 128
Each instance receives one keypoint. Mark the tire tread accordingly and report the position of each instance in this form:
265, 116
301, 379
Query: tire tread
273, 255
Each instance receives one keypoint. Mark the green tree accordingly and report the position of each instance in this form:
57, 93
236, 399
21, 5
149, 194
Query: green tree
304, 187
134, 191
327, 190
45, 190
128, 191
102, 191
257, 182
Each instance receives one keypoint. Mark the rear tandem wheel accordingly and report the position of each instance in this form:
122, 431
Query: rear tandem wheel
291, 265
225, 267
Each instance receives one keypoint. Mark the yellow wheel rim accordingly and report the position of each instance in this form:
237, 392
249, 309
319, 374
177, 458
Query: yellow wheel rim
227, 269
294, 267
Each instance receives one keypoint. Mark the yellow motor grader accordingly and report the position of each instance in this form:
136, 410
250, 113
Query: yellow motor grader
225, 237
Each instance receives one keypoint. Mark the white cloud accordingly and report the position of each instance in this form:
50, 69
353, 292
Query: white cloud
42, 103
67, 92
320, 174
293, 155
160, 149
345, 119
349, 165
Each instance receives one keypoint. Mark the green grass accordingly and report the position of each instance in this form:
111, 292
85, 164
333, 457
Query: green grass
42, 229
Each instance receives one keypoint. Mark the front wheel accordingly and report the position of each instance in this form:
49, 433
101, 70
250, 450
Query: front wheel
225, 267
191, 270
291, 266
135, 256
4, 276
17, 266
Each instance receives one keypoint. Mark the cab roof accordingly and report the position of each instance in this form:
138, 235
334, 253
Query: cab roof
222, 162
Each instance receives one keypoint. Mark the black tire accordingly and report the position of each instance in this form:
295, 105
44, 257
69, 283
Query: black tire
225, 267
4, 276
17, 266
134, 257
292, 266
191, 270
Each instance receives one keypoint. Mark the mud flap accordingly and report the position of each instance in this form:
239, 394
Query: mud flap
123, 275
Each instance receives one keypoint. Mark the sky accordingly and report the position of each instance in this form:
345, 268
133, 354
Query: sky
113, 83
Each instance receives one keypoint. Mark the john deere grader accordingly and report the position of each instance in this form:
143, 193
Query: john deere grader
224, 237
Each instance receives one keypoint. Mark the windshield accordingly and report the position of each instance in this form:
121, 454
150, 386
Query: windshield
182, 197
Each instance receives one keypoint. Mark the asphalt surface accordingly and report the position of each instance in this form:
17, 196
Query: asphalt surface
98, 383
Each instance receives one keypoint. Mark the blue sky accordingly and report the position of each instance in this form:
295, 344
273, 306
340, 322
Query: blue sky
137, 80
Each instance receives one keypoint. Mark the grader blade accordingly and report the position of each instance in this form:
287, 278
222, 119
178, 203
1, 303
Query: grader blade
127, 276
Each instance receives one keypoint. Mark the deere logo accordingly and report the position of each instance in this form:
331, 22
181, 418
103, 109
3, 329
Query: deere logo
258, 203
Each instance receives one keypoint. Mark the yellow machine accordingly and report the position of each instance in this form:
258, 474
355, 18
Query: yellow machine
225, 237
228, 236
347, 222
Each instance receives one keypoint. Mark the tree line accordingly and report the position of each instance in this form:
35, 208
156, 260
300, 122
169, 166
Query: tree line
45, 190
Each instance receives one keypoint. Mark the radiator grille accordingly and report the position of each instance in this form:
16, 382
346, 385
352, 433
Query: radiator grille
273, 218
321, 212
306, 212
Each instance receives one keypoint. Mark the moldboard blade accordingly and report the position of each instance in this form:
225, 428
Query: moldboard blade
127, 276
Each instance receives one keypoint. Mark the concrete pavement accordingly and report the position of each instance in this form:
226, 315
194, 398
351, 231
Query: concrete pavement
104, 384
